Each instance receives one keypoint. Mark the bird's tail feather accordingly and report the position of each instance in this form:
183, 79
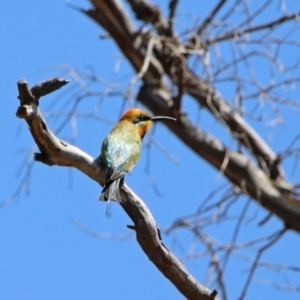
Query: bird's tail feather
111, 191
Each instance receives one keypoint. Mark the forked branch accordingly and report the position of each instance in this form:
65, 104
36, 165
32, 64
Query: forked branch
265, 182
57, 152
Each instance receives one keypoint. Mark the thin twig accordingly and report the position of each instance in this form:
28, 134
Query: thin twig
237, 34
272, 240
210, 17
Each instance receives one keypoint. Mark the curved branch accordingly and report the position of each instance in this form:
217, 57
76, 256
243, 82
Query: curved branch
174, 64
265, 184
239, 169
57, 152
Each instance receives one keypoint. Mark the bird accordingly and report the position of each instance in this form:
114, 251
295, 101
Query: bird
121, 149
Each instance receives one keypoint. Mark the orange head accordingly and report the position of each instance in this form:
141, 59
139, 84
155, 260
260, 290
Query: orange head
142, 120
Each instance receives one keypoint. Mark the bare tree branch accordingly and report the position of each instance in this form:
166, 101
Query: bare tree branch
171, 68
237, 34
57, 152
272, 240
172, 8
210, 17
267, 184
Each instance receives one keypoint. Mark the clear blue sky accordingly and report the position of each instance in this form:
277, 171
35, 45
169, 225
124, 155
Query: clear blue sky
43, 254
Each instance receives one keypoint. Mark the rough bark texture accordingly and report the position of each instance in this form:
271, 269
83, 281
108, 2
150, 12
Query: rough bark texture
265, 181
154, 55
57, 152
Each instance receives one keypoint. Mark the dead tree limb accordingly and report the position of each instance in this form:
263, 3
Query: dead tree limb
57, 152
263, 180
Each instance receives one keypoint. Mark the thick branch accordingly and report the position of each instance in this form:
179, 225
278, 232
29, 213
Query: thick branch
149, 239
267, 184
56, 152
238, 168
174, 64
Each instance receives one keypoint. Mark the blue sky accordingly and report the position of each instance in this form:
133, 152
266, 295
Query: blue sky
44, 254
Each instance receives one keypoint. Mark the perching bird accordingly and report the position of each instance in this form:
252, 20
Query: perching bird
121, 149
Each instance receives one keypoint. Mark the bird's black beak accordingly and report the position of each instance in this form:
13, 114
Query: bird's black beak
160, 118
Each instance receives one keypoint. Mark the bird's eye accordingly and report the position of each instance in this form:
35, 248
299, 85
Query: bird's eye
140, 118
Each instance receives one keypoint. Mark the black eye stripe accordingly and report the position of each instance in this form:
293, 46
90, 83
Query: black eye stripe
140, 118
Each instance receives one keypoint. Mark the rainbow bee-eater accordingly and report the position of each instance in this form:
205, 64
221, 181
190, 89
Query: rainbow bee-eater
121, 149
